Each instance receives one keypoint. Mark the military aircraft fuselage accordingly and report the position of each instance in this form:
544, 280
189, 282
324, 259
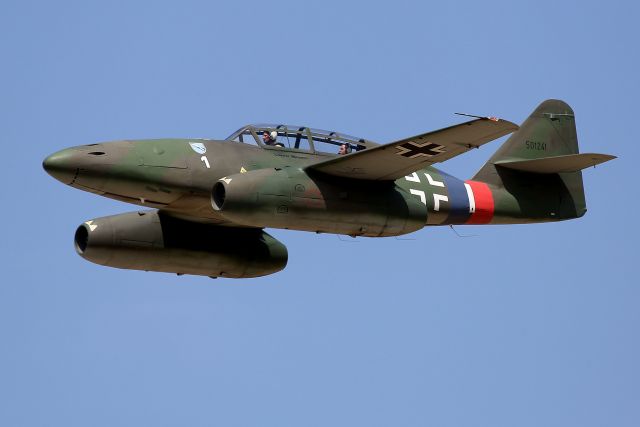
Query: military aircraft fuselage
269, 187
264, 187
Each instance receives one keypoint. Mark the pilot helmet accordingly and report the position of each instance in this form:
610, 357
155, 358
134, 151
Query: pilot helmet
273, 135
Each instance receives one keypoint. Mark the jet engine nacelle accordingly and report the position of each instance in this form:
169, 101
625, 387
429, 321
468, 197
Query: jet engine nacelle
152, 241
291, 199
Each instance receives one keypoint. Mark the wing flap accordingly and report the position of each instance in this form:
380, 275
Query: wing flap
557, 164
397, 159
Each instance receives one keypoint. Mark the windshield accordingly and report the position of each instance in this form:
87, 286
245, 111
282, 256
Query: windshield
244, 135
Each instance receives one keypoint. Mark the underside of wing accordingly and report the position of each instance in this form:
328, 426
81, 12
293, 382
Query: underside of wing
397, 159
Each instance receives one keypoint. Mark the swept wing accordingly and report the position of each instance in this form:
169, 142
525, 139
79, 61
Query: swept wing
397, 159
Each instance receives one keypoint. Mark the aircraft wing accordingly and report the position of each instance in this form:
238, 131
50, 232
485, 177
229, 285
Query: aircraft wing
397, 159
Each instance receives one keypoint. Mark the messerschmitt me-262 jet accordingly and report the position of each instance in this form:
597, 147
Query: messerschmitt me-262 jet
213, 198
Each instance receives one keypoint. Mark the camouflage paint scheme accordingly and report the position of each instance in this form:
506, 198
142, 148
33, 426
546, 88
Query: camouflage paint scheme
214, 197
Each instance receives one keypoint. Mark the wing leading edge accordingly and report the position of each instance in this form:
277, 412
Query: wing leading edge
397, 159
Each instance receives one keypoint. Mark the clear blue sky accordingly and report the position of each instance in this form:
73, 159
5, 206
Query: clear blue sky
518, 326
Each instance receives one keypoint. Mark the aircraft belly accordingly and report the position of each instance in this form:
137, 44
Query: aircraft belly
327, 216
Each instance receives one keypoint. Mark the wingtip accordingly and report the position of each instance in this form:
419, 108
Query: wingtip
514, 127
494, 119
602, 157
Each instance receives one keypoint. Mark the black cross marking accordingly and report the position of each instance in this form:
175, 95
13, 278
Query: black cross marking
413, 150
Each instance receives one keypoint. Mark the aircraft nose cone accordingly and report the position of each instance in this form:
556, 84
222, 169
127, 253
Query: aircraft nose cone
61, 165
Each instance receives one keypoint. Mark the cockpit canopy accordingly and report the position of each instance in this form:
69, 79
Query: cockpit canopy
299, 138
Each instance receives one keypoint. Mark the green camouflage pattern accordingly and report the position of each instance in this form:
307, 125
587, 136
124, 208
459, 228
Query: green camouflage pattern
227, 191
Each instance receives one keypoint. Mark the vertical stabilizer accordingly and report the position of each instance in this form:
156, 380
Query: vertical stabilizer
549, 131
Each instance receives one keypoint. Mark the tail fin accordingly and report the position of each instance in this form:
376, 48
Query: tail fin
536, 172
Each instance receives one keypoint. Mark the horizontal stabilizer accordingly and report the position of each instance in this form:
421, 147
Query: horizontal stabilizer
556, 164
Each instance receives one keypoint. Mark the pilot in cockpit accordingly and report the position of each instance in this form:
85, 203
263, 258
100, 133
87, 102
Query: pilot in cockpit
344, 149
270, 139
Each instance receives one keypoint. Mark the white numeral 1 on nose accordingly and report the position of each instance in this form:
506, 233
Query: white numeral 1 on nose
206, 161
